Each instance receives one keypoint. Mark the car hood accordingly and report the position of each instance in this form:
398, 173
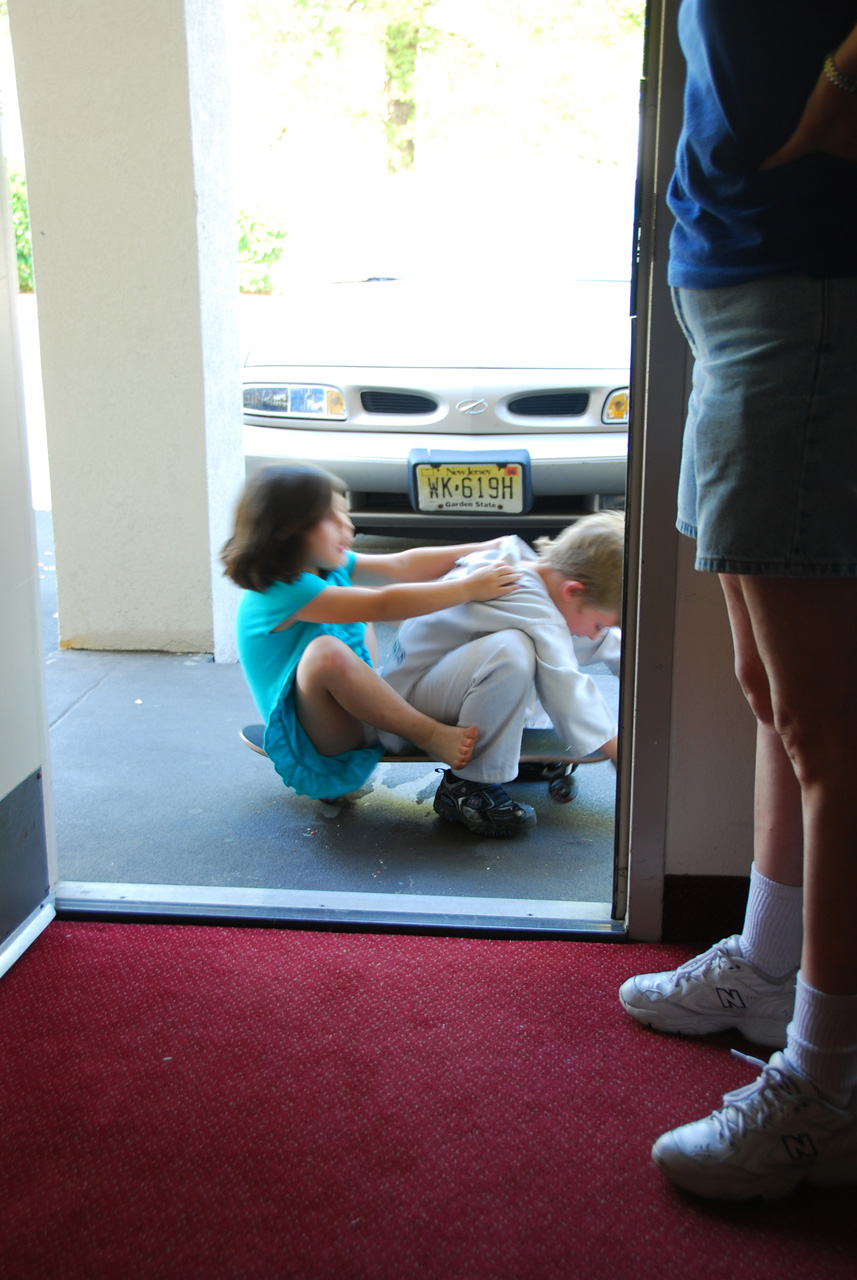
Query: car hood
476, 324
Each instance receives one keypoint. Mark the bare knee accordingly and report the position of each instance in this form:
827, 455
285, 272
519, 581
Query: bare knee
323, 660
755, 686
749, 667
812, 744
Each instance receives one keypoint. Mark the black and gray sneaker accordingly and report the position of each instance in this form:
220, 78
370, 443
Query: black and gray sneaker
483, 807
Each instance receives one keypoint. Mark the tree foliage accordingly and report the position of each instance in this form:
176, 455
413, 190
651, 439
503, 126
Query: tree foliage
451, 101
21, 222
414, 71
260, 245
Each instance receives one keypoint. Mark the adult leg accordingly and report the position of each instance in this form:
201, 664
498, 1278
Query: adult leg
772, 934
746, 982
798, 1121
335, 691
777, 817
814, 711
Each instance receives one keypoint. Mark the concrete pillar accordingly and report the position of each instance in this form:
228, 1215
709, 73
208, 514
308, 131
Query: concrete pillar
125, 118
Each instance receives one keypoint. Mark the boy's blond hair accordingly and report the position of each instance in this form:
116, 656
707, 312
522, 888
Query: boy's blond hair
591, 551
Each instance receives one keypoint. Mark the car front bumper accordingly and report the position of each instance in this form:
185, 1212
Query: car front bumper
571, 473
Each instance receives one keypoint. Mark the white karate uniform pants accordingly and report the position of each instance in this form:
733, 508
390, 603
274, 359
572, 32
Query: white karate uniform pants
486, 682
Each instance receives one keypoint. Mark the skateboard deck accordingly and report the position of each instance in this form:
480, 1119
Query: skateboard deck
538, 745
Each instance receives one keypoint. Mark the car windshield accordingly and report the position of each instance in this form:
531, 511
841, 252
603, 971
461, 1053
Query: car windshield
457, 323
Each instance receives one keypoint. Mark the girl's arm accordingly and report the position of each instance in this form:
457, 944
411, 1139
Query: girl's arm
420, 564
387, 604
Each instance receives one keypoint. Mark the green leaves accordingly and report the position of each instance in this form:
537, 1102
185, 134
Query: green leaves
260, 245
23, 238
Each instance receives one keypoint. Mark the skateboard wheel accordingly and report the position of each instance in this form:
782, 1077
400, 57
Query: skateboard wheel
564, 789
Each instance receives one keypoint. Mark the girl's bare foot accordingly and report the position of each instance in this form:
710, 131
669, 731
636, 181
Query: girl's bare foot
451, 743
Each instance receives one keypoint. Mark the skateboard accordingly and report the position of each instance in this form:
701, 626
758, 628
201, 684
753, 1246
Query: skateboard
543, 758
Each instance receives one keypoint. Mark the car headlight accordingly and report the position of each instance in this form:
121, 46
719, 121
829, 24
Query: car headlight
295, 400
616, 407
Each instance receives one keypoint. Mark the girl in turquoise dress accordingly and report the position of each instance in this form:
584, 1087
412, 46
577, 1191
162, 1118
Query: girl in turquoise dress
303, 639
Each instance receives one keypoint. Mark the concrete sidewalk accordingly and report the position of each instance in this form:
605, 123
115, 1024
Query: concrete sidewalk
153, 786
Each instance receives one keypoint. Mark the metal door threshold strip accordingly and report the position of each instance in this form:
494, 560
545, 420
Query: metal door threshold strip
419, 911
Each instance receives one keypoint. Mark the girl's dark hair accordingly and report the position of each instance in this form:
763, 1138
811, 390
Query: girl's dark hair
278, 506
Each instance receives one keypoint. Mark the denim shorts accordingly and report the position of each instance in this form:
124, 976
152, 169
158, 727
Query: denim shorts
768, 480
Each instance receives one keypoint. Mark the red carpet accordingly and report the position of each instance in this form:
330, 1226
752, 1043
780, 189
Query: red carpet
212, 1102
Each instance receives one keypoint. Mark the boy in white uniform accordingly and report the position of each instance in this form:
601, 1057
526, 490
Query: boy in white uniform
491, 664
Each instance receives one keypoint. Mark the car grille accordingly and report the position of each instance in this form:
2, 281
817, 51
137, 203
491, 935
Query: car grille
554, 404
396, 402
365, 504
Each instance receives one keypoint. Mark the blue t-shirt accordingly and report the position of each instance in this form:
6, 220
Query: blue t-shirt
751, 65
270, 658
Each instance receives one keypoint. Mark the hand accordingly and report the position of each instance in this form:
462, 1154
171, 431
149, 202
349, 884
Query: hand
828, 125
492, 581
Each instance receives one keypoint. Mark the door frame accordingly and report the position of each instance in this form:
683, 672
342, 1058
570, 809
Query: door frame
658, 381
27, 845
659, 378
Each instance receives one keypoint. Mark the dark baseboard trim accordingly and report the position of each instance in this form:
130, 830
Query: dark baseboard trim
699, 910
24, 880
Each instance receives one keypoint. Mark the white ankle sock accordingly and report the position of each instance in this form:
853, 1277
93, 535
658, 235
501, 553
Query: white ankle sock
773, 925
822, 1041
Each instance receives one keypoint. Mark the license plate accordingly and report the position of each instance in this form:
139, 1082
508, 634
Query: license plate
471, 486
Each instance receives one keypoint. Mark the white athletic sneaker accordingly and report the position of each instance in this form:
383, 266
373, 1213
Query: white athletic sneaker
768, 1137
713, 992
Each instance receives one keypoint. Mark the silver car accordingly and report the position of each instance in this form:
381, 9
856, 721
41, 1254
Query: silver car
497, 403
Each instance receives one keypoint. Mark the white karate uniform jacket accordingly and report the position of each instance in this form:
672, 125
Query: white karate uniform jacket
563, 695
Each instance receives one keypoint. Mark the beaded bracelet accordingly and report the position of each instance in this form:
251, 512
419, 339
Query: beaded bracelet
847, 83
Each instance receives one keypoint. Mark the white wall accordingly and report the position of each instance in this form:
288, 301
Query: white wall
125, 118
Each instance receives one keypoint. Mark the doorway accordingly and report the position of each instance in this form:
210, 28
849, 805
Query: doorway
122, 832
